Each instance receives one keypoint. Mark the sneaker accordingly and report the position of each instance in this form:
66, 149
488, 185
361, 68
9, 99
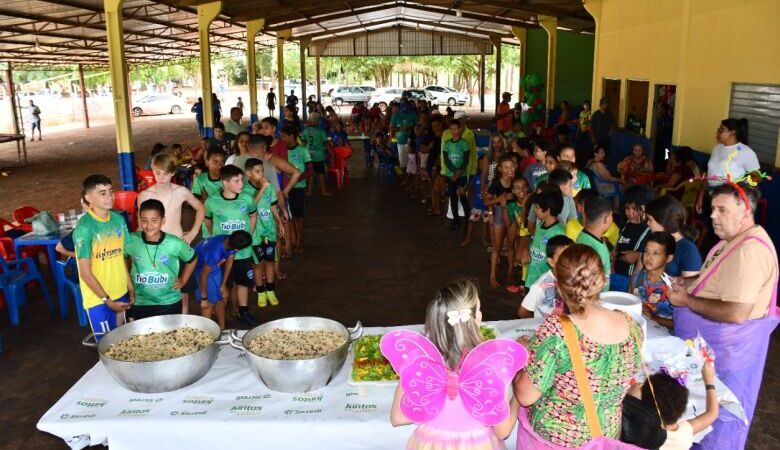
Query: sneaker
248, 319
262, 299
272, 298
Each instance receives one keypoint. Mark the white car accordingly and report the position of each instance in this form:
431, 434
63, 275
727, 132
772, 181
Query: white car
349, 94
384, 96
444, 95
158, 104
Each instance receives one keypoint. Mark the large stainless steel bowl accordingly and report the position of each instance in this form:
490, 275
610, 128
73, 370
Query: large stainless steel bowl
301, 375
159, 376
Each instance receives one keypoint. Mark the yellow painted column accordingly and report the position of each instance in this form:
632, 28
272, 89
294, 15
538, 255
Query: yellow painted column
521, 35
207, 12
681, 94
119, 89
281, 36
304, 44
317, 50
550, 25
252, 28
594, 9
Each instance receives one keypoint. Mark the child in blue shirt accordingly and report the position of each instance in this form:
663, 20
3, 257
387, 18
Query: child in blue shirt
648, 284
215, 261
479, 212
338, 137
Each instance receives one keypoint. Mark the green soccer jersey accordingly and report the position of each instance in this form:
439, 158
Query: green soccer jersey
402, 120
155, 267
456, 152
102, 242
266, 222
205, 184
538, 264
298, 157
581, 181
601, 248
315, 140
229, 215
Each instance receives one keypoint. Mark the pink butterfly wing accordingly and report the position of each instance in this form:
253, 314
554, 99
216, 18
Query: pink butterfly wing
484, 376
423, 373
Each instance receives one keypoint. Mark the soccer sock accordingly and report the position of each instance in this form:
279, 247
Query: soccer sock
243, 309
260, 289
269, 287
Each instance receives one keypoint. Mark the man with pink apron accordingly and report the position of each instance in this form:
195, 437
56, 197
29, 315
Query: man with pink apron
733, 306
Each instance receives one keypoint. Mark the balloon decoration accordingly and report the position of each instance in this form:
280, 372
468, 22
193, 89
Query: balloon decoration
533, 91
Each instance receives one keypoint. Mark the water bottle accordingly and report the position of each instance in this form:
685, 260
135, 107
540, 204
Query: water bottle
61, 221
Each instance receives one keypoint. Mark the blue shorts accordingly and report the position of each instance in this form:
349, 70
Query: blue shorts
213, 283
102, 319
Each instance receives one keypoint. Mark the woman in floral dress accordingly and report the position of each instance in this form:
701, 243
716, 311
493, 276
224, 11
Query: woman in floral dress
612, 355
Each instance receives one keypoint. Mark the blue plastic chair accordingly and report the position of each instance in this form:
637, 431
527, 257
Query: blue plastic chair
67, 286
13, 281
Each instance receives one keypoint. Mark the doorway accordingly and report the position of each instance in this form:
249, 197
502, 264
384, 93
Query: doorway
662, 123
611, 92
637, 96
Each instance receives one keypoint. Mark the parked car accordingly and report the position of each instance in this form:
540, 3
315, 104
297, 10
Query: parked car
369, 89
444, 95
384, 96
417, 94
349, 94
158, 104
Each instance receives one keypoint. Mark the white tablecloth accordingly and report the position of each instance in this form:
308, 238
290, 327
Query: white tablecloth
230, 408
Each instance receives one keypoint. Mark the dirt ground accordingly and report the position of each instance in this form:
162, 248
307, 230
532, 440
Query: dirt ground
371, 254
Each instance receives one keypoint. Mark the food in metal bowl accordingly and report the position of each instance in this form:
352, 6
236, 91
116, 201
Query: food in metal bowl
296, 344
160, 346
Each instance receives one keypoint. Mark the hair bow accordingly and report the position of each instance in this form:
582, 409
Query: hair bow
680, 377
458, 316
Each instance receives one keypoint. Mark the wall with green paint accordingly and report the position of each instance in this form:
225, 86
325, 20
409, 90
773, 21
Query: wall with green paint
574, 69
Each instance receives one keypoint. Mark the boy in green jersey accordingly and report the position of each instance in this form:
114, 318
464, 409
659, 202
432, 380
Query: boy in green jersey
315, 139
456, 160
269, 221
597, 219
209, 183
298, 157
581, 180
547, 204
155, 257
231, 211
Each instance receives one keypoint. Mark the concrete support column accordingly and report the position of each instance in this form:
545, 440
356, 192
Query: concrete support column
521, 35
594, 9
304, 44
319, 74
207, 12
281, 36
83, 96
9, 79
482, 82
496, 41
550, 25
119, 91
252, 28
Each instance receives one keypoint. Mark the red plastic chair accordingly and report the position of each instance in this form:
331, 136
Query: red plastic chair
126, 201
339, 166
5, 226
147, 179
22, 213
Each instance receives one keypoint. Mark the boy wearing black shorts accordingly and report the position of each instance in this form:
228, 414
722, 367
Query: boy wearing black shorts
299, 157
269, 220
231, 211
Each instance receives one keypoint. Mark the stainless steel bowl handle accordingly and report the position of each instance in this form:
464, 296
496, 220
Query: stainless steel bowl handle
88, 342
224, 337
235, 341
355, 333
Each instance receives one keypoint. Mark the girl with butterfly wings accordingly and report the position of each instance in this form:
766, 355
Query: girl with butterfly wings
453, 385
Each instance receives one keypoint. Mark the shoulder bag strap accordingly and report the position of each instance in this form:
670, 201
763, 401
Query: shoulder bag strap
573, 345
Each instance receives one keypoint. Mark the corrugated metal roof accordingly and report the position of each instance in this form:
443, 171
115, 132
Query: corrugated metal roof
56, 32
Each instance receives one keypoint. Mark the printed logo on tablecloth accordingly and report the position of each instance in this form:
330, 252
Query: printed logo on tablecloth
297, 412
352, 394
76, 416
246, 410
145, 400
134, 412
253, 397
187, 413
198, 400
91, 402
360, 407
308, 398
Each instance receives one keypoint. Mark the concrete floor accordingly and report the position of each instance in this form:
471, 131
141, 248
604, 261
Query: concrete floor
371, 255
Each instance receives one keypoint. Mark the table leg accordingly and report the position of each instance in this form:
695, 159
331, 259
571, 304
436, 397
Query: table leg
57, 275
